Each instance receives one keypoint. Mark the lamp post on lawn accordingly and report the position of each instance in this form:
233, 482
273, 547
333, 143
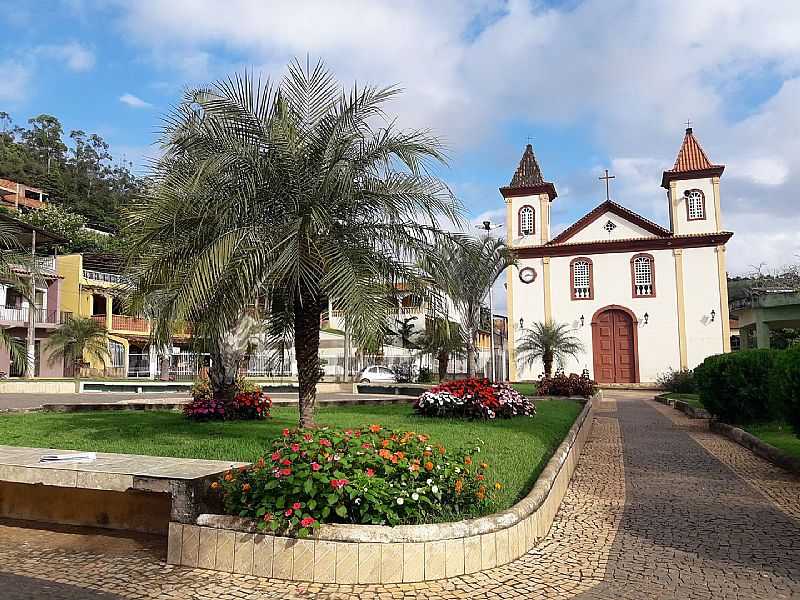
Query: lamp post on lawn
488, 227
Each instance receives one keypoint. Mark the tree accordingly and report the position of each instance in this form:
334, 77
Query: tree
442, 339
10, 257
466, 270
547, 341
405, 331
297, 193
76, 339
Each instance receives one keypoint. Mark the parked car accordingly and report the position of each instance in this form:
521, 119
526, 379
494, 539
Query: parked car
377, 374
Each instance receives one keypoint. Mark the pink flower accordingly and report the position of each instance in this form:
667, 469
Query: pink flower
308, 521
297, 506
308, 437
325, 442
287, 512
370, 472
285, 433
286, 462
315, 466
276, 456
366, 445
295, 447
338, 484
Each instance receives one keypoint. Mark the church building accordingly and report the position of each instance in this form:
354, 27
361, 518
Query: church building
642, 298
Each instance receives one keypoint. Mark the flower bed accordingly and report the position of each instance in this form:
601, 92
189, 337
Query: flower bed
566, 385
249, 403
370, 475
474, 399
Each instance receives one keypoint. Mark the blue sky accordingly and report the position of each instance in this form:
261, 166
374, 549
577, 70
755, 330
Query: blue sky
595, 84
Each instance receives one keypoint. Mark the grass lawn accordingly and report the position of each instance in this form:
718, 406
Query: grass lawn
526, 389
692, 400
517, 449
779, 435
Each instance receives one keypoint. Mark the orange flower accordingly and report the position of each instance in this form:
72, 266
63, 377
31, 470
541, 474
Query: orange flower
413, 468
468, 460
385, 443
429, 466
484, 466
228, 477
215, 485
400, 455
422, 438
459, 486
246, 487
441, 450
384, 453
481, 493
375, 428
426, 453
480, 477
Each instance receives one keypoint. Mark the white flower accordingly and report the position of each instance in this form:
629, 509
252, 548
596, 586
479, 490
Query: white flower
415, 496
430, 481
435, 489
457, 469
358, 500
400, 501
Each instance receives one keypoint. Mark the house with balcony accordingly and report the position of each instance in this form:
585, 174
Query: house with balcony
30, 322
93, 287
21, 197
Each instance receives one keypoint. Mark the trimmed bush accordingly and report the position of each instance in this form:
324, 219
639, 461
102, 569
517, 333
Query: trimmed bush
785, 386
735, 387
566, 385
680, 382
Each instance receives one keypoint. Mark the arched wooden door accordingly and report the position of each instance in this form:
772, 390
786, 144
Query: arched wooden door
614, 347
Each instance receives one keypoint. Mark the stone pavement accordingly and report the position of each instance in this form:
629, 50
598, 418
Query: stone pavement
658, 508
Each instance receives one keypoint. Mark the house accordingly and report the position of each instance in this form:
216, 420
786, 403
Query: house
642, 298
31, 324
21, 197
93, 286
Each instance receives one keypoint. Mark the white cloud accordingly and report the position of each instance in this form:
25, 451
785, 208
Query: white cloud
134, 101
16, 78
75, 56
628, 73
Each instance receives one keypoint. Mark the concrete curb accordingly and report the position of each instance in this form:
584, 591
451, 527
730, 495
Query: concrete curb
756, 446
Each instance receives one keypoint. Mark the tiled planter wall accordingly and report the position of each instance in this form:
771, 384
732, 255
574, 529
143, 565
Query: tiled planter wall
368, 554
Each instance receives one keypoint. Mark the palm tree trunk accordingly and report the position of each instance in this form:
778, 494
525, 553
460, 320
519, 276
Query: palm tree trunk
547, 359
472, 359
222, 374
306, 351
444, 359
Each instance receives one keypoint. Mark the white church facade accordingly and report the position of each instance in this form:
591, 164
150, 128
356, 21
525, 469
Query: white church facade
642, 298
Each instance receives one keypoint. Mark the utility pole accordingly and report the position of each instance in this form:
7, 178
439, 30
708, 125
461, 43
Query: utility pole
487, 227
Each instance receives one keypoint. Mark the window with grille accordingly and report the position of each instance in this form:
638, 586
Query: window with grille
581, 273
117, 353
695, 205
643, 275
526, 217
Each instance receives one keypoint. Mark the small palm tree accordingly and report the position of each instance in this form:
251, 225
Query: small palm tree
442, 339
11, 257
298, 193
466, 270
77, 338
547, 341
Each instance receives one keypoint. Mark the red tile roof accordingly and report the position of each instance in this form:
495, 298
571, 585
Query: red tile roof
692, 161
528, 173
617, 209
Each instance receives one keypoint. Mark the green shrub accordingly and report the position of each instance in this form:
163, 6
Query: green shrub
680, 382
785, 386
735, 387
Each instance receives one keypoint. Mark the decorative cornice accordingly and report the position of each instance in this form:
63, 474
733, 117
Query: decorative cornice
700, 240
617, 209
534, 190
669, 176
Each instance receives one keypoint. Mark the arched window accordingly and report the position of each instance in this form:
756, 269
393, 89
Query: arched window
581, 278
695, 205
643, 276
527, 220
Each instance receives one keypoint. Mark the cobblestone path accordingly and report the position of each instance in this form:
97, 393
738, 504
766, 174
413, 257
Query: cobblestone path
658, 508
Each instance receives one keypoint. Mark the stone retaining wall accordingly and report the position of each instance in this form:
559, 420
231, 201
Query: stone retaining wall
766, 451
351, 554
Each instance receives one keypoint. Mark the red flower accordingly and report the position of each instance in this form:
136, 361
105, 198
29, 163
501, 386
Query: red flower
315, 466
297, 506
338, 484
325, 442
285, 433
286, 472
295, 447
286, 462
370, 472
268, 517
276, 456
288, 512
366, 445
308, 437
308, 521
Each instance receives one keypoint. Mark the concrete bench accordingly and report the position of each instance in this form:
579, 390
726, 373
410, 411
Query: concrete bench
115, 491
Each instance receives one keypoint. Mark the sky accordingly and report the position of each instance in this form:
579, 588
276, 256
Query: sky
592, 84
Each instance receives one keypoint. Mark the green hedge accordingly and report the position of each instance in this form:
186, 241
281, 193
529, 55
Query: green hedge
785, 386
736, 387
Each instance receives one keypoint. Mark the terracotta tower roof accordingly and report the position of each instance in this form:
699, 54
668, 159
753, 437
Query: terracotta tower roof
528, 173
691, 159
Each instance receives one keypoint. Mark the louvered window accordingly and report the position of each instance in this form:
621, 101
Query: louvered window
526, 220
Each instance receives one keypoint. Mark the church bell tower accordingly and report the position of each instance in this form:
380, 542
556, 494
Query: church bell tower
528, 199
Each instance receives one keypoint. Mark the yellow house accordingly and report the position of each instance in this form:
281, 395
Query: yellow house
92, 287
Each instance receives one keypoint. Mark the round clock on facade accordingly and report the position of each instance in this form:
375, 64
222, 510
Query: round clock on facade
527, 275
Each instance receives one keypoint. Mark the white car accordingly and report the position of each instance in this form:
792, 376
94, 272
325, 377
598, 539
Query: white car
377, 374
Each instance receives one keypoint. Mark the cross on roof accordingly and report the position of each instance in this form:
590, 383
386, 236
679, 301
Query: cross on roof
607, 177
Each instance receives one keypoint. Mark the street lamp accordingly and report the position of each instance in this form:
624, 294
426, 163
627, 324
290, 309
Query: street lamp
488, 227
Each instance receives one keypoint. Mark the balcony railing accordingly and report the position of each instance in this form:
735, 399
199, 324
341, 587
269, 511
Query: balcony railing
46, 263
41, 315
124, 323
582, 292
643, 289
105, 277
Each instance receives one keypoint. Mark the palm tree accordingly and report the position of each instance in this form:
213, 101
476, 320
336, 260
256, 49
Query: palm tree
547, 341
466, 270
442, 339
297, 193
11, 257
77, 338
